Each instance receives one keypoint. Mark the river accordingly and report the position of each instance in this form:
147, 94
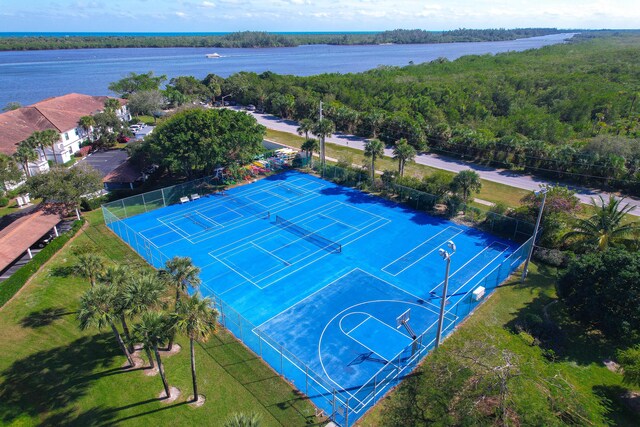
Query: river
30, 76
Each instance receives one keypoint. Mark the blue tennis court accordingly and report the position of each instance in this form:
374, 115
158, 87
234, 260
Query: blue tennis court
313, 277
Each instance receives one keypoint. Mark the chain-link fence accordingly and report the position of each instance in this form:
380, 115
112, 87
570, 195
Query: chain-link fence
342, 406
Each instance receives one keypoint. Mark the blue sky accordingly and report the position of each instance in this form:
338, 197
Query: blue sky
310, 15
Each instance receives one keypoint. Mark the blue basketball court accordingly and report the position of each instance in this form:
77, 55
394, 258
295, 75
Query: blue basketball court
336, 289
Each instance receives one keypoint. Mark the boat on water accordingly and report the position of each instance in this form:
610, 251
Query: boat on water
213, 55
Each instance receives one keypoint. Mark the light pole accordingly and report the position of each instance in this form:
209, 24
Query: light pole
447, 257
222, 103
525, 271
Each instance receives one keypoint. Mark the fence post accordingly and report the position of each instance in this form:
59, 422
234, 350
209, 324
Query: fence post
124, 208
240, 326
144, 203
306, 380
516, 230
281, 365
333, 405
346, 413
260, 343
164, 202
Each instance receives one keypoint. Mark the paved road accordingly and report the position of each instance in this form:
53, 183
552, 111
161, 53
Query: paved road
502, 176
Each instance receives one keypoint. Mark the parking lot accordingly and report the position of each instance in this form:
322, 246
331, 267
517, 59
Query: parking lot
105, 161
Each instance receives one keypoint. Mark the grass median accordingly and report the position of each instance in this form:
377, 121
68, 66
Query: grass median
51, 373
491, 191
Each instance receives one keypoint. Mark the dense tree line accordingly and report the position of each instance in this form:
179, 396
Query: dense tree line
568, 111
252, 39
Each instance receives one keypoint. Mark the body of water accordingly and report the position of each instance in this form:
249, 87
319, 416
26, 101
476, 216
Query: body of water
30, 76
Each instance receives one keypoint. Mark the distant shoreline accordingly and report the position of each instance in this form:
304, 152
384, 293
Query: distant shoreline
251, 39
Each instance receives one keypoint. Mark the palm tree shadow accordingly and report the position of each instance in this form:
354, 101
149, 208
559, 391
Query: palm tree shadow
51, 380
97, 416
38, 319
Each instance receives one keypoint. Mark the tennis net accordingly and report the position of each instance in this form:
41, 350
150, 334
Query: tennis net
260, 213
308, 235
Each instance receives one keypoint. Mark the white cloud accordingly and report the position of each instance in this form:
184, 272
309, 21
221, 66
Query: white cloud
207, 4
181, 14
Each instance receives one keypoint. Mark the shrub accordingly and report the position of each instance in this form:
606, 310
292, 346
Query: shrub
14, 283
4, 201
91, 204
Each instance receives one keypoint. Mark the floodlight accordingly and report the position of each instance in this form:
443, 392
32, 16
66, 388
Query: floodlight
443, 253
451, 245
543, 190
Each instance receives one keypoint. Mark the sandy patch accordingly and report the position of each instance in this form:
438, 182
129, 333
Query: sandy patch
611, 365
175, 393
175, 349
198, 403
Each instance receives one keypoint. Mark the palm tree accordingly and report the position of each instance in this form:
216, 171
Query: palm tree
403, 152
48, 138
182, 275
97, 309
310, 146
605, 227
240, 419
373, 148
86, 123
141, 291
323, 129
465, 183
196, 319
89, 265
111, 105
25, 153
154, 328
306, 126
114, 276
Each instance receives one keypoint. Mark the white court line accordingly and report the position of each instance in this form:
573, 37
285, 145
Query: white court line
305, 265
422, 257
261, 233
355, 327
377, 372
271, 253
462, 266
479, 271
307, 297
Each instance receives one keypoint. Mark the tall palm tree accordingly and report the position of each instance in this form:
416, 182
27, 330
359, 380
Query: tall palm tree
111, 105
403, 152
89, 265
48, 138
86, 123
305, 126
465, 183
323, 129
182, 275
197, 319
97, 309
605, 227
373, 148
141, 292
154, 328
25, 153
310, 146
114, 276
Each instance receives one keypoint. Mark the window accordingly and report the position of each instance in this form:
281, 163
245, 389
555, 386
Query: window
66, 136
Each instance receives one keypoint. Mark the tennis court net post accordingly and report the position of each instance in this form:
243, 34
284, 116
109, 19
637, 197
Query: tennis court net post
315, 238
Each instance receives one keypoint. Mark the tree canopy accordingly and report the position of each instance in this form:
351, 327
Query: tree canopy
136, 83
602, 289
65, 186
195, 141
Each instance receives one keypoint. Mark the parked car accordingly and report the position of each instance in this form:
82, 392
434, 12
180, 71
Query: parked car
251, 107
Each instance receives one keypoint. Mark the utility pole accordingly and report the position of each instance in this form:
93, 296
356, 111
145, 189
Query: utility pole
525, 271
322, 150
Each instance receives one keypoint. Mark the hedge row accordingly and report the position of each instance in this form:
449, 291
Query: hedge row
13, 284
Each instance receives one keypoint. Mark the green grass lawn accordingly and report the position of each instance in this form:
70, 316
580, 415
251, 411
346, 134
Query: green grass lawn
491, 191
53, 374
579, 357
